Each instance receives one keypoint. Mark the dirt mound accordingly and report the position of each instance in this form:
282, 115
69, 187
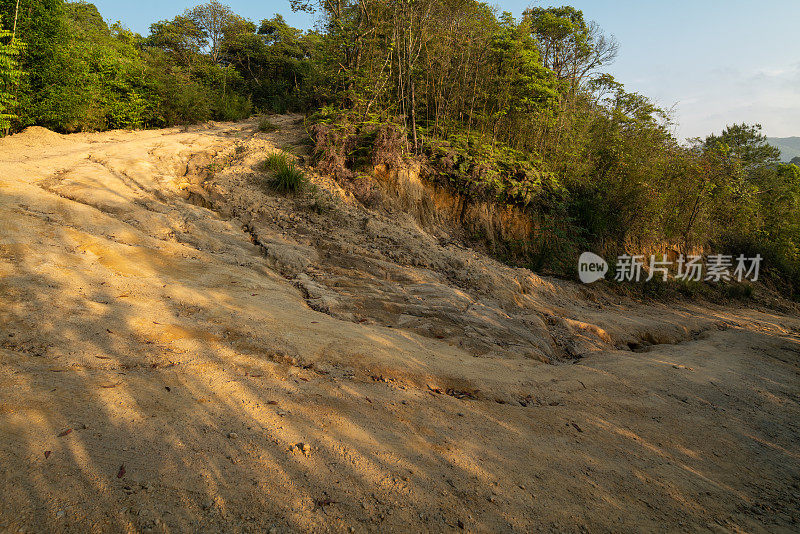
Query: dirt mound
183, 350
33, 136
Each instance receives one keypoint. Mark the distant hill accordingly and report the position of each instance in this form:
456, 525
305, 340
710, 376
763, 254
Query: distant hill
790, 146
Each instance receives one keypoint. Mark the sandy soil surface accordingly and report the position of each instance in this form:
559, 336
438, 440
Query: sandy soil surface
182, 350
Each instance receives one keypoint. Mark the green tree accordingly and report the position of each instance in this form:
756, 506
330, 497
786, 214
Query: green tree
10, 76
42, 25
571, 47
212, 19
746, 143
180, 37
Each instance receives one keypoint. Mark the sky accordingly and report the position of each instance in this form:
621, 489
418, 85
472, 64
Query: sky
714, 62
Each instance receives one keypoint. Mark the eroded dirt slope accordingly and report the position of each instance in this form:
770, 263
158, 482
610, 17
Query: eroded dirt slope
189, 329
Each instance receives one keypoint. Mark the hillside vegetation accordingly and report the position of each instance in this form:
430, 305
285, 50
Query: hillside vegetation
514, 112
789, 147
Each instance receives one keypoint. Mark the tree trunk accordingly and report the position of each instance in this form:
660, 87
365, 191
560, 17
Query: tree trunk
16, 15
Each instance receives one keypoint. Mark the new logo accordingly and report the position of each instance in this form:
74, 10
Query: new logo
591, 267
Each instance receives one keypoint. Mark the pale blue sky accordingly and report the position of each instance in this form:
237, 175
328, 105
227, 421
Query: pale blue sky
717, 61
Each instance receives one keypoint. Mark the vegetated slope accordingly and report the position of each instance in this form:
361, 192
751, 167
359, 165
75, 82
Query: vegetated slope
183, 349
789, 146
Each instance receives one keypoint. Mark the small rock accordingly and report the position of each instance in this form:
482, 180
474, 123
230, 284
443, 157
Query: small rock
60, 514
233, 435
207, 505
273, 530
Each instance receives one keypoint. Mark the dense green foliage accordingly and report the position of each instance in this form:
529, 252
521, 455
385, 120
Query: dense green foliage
10, 76
207, 63
517, 112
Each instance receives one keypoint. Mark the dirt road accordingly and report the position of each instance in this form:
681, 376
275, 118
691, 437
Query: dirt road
181, 350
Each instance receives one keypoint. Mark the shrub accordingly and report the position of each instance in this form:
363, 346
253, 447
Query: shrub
180, 99
334, 137
286, 176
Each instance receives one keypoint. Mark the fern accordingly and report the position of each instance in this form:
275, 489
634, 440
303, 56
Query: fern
10, 76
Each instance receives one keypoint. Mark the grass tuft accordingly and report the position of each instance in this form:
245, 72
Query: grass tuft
286, 176
266, 125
